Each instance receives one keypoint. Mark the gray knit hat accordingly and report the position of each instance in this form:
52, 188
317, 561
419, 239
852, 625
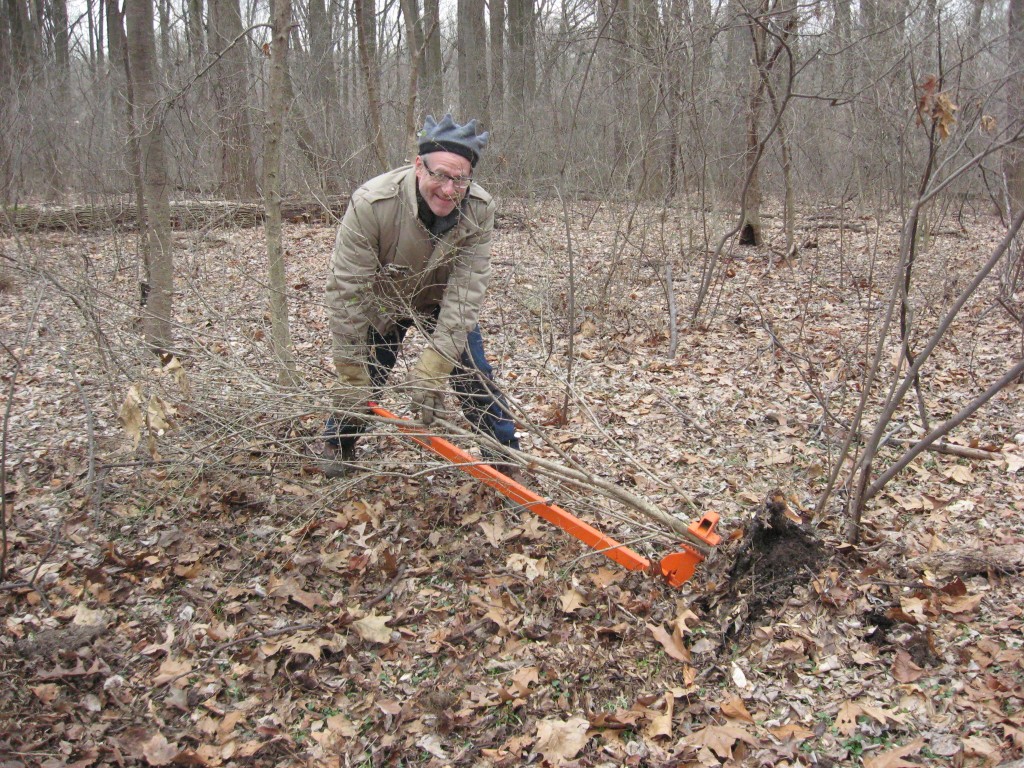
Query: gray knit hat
449, 136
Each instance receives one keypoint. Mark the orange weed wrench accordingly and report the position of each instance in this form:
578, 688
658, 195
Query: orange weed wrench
676, 568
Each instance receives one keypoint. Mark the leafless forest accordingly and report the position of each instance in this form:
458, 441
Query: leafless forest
756, 257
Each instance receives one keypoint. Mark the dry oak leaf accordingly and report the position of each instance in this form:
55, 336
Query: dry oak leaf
172, 670
530, 568
904, 670
158, 751
960, 474
46, 693
893, 758
559, 741
734, 709
791, 732
720, 739
978, 746
1014, 461
522, 679
673, 644
605, 577
374, 628
290, 589
965, 604
571, 601
432, 744
661, 724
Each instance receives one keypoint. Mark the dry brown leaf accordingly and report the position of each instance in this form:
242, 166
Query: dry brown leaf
966, 604
672, 644
46, 693
979, 746
494, 530
720, 739
530, 567
172, 669
792, 732
130, 415
846, 718
893, 758
158, 751
661, 724
605, 577
290, 589
374, 628
734, 709
559, 741
960, 474
571, 601
904, 670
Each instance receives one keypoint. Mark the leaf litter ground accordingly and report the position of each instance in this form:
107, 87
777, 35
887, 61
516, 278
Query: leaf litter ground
208, 597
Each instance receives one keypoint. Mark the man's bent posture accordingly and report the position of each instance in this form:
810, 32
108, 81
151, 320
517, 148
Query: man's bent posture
414, 249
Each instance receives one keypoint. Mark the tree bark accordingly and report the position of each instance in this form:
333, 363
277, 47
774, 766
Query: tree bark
645, 65
414, 36
195, 30
522, 63
277, 110
237, 165
750, 230
433, 86
1014, 155
158, 313
496, 100
24, 50
472, 60
323, 73
366, 31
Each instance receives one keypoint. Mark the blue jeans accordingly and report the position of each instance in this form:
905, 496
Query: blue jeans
473, 381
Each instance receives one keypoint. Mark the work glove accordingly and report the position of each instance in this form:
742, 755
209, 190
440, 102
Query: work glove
354, 390
427, 383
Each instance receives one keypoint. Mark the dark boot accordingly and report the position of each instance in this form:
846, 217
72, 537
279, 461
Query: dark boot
337, 459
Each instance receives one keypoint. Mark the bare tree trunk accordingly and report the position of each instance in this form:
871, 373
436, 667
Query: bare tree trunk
324, 74
521, 55
614, 19
24, 51
6, 83
414, 34
750, 229
237, 165
164, 14
58, 116
497, 94
277, 110
1014, 154
366, 31
472, 62
146, 87
646, 60
433, 88
195, 31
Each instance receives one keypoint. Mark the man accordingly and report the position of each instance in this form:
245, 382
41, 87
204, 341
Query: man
414, 250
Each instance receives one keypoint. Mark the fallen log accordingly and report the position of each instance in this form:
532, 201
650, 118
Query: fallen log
189, 214
1005, 559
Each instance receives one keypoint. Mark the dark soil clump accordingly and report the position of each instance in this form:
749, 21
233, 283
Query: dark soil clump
776, 555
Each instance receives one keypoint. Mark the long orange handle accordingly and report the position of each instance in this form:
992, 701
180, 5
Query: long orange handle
520, 494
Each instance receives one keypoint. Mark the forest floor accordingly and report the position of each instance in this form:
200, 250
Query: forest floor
205, 596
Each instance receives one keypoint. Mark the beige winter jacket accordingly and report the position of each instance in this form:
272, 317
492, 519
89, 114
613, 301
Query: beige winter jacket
385, 267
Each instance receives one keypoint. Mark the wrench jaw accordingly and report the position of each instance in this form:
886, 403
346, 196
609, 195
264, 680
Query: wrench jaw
678, 568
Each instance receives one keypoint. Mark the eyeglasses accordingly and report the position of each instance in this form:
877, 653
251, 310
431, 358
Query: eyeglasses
459, 182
